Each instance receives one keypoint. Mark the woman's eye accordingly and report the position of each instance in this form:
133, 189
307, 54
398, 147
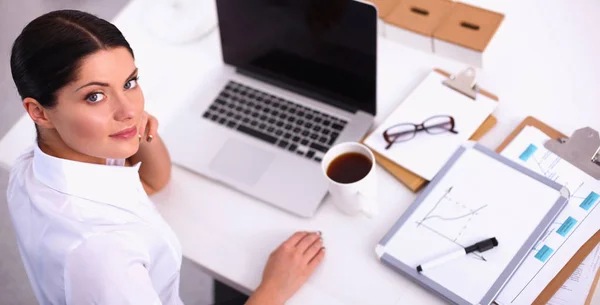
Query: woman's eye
95, 97
131, 84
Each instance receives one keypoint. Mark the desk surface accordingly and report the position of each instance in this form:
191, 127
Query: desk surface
543, 62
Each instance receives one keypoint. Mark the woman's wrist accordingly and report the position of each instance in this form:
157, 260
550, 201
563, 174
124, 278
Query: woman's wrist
265, 295
155, 171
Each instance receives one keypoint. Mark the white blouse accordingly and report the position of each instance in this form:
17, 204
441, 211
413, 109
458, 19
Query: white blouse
89, 234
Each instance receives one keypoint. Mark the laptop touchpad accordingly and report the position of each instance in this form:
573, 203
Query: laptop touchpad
241, 161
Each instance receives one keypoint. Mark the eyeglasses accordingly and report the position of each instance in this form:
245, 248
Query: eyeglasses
403, 132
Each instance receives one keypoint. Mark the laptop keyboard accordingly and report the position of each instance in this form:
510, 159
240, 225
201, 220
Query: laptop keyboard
277, 121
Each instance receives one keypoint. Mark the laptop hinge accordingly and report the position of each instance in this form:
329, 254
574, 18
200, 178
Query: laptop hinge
298, 90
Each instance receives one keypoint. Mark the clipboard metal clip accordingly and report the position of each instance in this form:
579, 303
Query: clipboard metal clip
582, 149
464, 82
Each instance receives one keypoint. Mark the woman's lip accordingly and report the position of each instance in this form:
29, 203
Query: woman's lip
125, 134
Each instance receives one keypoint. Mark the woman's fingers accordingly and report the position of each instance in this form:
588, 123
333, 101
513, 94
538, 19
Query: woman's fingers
316, 260
294, 239
143, 126
290, 266
152, 128
148, 127
313, 250
307, 241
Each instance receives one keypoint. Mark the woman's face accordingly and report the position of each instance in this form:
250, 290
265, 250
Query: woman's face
99, 113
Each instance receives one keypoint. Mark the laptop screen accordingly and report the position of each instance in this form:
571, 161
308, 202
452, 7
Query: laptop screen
324, 49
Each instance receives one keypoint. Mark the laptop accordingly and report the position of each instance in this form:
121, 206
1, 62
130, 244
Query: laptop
298, 77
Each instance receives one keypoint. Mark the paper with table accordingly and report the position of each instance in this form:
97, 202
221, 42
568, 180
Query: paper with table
576, 289
425, 154
463, 205
571, 229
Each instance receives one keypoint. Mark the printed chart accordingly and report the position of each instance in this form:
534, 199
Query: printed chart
528, 150
551, 166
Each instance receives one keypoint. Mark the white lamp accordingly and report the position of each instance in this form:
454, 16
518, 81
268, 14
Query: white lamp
180, 21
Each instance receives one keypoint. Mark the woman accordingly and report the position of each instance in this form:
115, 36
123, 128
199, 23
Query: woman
87, 232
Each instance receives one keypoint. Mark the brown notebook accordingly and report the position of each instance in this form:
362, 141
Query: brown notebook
413, 181
584, 251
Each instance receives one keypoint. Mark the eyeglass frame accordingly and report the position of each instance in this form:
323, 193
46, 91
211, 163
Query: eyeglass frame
419, 128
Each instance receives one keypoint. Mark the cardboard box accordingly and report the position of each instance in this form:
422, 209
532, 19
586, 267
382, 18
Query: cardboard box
413, 22
384, 7
466, 33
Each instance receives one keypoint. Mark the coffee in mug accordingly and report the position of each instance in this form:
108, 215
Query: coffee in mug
349, 167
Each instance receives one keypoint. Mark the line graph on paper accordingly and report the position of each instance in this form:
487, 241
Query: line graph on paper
451, 219
555, 168
552, 167
545, 164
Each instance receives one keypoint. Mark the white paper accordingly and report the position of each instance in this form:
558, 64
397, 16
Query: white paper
425, 154
570, 230
467, 206
576, 289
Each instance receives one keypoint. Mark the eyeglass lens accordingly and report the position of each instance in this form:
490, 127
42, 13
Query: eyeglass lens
402, 132
438, 124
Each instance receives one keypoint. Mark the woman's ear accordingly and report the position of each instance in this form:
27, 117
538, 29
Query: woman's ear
37, 113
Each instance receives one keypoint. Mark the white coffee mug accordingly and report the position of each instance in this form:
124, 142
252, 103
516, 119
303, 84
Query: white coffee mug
357, 197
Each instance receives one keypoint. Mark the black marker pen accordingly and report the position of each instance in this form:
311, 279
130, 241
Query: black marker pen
481, 246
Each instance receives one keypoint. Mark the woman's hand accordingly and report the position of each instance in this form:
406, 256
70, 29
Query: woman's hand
289, 267
148, 127
155, 171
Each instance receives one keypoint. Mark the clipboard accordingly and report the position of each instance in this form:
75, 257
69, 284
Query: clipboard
464, 85
397, 258
584, 251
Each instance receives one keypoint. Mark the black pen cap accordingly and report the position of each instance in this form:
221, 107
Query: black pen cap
483, 246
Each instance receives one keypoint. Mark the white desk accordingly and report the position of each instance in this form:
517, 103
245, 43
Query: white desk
543, 62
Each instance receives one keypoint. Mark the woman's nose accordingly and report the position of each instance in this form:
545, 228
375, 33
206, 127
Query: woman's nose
124, 108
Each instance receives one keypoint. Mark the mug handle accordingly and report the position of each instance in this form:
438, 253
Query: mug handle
370, 210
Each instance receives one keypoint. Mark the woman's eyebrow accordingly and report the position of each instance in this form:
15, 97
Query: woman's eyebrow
91, 84
105, 84
132, 74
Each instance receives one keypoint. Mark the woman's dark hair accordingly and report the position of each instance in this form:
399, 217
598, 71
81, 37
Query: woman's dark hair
47, 54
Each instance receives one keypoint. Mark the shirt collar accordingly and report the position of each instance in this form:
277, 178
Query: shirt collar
115, 185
